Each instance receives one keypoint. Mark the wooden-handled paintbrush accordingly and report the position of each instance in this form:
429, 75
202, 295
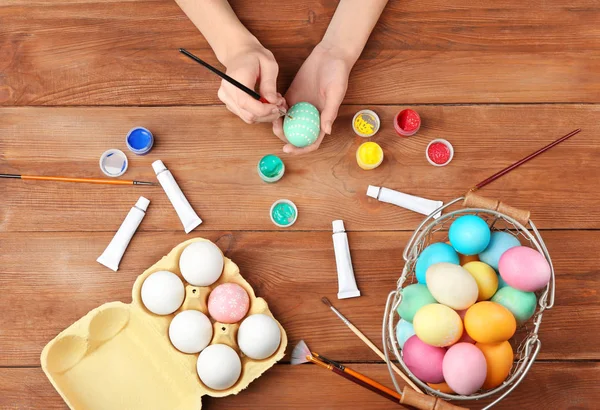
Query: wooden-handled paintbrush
71, 179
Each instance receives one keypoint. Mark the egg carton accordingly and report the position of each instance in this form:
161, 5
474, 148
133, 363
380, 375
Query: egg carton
119, 356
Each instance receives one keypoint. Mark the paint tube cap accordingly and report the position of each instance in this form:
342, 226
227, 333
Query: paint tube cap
338, 226
142, 203
113, 163
158, 166
373, 191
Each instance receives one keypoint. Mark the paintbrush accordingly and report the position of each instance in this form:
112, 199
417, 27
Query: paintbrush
84, 180
409, 397
524, 160
368, 342
302, 354
230, 80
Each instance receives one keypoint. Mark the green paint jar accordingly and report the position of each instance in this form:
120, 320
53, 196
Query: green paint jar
283, 213
270, 168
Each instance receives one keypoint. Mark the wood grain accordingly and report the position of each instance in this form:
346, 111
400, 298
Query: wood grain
213, 156
548, 386
124, 52
51, 279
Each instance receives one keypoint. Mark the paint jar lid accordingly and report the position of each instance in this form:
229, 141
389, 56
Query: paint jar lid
366, 123
139, 140
270, 168
439, 152
283, 213
113, 163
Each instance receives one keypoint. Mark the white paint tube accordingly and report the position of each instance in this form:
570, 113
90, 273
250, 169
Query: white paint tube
414, 203
184, 210
111, 257
343, 262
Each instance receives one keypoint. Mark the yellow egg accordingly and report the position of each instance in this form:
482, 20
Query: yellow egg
489, 322
437, 325
443, 387
499, 360
486, 278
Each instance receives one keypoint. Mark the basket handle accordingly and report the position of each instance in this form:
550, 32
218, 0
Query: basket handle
477, 201
424, 402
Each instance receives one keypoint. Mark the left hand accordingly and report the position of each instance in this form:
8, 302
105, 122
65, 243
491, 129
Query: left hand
322, 81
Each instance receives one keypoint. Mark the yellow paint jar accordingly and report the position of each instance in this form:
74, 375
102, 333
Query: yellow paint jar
369, 155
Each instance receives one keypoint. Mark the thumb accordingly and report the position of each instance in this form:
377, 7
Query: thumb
333, 100
268, 80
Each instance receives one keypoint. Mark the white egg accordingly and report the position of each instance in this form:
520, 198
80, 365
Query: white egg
201, 263
259, 336
452, 285
219, 367
190, 331
162, 292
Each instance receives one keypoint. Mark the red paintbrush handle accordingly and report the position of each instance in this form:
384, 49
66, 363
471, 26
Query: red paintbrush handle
264, 100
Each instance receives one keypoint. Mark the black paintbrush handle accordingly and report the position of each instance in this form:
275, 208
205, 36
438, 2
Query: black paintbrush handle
10, 176
221, 74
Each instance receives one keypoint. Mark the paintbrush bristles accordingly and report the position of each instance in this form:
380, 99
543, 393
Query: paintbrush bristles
326, 301
301, 353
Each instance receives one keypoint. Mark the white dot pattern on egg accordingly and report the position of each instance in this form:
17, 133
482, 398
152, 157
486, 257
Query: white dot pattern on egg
303, 128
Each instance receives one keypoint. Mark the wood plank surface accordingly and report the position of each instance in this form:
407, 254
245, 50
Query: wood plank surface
570, 386
53, 280
213, 156
124, 52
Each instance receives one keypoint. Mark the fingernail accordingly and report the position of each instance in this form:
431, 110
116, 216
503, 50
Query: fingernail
275, 111
328, 128
287, 149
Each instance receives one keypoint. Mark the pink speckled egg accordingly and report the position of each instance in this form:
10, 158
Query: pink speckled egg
228, 303
423, 360
524, 268
464, 368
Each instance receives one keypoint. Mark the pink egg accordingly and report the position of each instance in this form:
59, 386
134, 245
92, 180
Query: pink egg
524, 268
228, 303
423, 360
464, 368
465, 338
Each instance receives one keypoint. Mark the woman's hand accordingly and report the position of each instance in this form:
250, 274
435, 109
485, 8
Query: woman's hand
251, 64
322, 81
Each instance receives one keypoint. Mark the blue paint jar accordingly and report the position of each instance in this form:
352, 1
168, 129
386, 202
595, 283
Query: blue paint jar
139, 140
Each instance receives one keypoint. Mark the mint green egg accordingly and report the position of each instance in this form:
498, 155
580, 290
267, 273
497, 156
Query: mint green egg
414, 297
303, 128
521, 304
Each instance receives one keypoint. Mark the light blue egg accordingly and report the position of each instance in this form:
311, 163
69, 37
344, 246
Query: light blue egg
302, 125
521, 304
500, 242
414, 297
404, 330
434, 253
501, 283
469, 235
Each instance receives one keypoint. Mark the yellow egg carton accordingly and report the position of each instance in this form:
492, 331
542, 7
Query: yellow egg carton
119, 356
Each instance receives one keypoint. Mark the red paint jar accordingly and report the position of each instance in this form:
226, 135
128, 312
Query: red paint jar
407, 122
439, 152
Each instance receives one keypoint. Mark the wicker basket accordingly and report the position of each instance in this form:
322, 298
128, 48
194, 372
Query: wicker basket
525, 342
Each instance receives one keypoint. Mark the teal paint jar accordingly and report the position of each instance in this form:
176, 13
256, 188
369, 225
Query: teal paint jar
283, 213
270, 168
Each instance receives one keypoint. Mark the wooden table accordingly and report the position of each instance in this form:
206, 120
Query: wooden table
498, 79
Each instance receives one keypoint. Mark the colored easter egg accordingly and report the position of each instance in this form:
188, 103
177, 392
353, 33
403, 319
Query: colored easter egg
489, 322
434, 253
423, 360
521, 304
452, 285
524, 268
404, 330
469, 235
464, 368
303, 128
465, 338
499, 361
414, 297
441, 387
500, 242
486, 278
438, 325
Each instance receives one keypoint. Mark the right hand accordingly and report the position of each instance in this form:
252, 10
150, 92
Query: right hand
249, 64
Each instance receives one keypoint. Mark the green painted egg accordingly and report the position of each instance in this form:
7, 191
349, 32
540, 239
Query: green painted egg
521, 304
302, 129
414, 297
